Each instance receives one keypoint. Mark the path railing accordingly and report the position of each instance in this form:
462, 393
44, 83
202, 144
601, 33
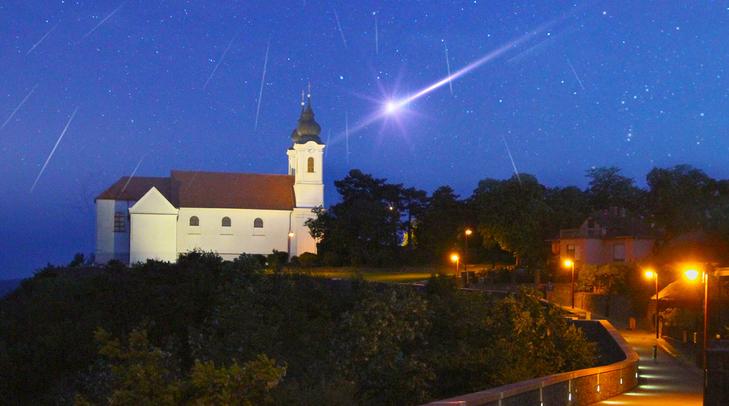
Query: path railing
574, 388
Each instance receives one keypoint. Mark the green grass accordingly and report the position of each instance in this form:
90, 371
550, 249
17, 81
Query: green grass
392, 276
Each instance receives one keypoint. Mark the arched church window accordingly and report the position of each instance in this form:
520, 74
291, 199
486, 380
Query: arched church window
194, 221
310, 165
258, 223
225, 222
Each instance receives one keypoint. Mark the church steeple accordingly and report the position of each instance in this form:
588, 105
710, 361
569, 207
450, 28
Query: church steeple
307, 128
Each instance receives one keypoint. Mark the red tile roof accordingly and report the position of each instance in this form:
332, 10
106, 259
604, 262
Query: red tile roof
134, 189
212, 190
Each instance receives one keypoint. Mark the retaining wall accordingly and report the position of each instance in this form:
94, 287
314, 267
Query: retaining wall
575, 388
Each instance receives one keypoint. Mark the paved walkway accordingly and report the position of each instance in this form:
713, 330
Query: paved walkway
663, 382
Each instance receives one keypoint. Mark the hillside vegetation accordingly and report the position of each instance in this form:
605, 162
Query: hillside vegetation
204, 331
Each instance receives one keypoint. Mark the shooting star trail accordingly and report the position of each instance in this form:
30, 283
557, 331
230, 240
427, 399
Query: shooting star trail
346, 135
339, 27
41, 39
391, 107
217, 65
511, 158
22, 102
448, 66
68, 123
377, 36
134, 172
263, 82
108, 16
575, 73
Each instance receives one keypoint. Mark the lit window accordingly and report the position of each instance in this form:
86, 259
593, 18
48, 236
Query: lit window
119, 222
310, 165
225, 222
194, 221
571, 250
258, 223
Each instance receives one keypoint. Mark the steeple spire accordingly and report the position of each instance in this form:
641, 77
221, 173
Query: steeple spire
307, 129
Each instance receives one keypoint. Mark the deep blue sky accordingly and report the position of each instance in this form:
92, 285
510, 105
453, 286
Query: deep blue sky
626, 83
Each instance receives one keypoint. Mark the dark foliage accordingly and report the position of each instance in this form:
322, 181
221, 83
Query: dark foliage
193, 324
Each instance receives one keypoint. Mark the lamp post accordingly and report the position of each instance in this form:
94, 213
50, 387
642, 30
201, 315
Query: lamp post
651, 274
455, 259
570, 263
693, 275
467, 233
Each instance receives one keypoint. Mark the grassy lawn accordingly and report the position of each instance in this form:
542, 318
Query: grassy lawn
397, 276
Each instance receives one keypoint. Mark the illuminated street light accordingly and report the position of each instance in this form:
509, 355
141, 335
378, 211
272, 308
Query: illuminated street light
468, 233
456, 260
692, 274
569, 263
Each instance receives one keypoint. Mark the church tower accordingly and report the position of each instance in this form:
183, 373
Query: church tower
306, 159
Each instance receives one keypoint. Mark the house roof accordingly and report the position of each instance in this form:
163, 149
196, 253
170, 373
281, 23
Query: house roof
212, 190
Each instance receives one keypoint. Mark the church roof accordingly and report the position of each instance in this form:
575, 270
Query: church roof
134, 189
212, 190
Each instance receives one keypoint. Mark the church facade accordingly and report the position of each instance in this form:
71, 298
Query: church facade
140, 218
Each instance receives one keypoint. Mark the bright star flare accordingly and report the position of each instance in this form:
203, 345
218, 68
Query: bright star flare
394, 106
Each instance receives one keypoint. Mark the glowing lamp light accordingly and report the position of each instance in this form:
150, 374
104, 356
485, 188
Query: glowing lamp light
469, 231
455, 257
650, 274
568, 263
291, 235
691, 274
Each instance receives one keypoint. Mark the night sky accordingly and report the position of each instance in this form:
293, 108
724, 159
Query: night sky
160, 85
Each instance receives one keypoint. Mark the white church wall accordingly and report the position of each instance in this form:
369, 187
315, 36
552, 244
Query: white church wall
153, 229
153, 236
302, 241
111, 244
240, 237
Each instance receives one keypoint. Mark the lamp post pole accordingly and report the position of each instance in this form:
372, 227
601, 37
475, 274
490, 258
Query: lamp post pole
572, 289
705, 343
467, 232
655, 276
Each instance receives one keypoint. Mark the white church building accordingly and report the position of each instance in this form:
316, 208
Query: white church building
140, 218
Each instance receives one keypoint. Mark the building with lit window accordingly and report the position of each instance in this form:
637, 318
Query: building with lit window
606, 236
140, 218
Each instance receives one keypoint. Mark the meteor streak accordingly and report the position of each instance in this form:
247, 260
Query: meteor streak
575, 73
391, 107
263, 81
448, 66
222, 57
53, 150
133, 173
339, 27
104, 20
473, 65
22, 102
511, 158
41, 39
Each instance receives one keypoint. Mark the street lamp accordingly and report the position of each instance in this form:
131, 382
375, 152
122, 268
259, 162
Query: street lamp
652, 274
569, 263
455, 259
692, 274
468, 233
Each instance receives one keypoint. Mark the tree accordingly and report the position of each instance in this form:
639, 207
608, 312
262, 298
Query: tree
439, 224
364, 228
514, 214
608, 188
681, 198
